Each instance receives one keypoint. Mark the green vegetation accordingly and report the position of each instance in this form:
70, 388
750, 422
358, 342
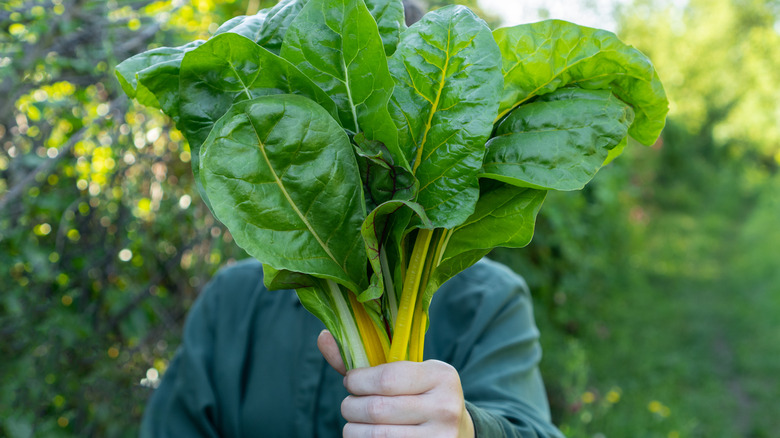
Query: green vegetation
656, 286
103, 242
658, 300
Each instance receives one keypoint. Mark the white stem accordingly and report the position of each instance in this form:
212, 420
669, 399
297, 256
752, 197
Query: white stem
353, 347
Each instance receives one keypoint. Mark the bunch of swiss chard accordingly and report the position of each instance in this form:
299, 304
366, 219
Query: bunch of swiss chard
365, 163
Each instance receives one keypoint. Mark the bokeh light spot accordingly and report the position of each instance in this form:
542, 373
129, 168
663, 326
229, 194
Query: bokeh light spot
125, 255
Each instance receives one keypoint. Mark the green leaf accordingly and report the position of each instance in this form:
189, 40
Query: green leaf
318, 301
268, 26
337, 44
448, 82
152, 77
541, 57
281, 175
375, 290
230, 68
275, 279
389, 17
382, 179
559, 141
616, 152
504, 217
318, 298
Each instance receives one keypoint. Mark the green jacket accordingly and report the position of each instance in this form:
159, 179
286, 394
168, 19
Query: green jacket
249, 366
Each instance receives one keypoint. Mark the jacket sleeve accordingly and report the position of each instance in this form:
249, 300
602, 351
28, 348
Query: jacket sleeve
496, 351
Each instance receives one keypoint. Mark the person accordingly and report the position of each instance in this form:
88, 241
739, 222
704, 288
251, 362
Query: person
247, 367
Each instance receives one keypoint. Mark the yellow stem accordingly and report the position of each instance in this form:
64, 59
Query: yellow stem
403, 325
420, 318
372, 341
442, 246
421, 334
416, 343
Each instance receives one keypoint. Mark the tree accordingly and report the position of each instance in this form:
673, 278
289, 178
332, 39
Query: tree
103, 241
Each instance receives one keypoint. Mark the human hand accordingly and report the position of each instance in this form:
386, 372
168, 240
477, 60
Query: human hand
400, 399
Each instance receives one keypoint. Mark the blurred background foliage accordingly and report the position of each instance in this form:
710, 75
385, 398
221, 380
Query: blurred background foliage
657, 288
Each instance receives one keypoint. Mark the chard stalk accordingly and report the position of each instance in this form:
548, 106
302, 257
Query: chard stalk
403, 325
376, 345
390, 288
417, 341
354, 352
420, 318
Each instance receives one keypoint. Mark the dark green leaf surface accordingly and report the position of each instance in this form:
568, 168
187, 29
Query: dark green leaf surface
389, 17
268, 26
152, 77
230, 68
559, 141
539, 58
282, 177
337, 44
448, 82
275, 279
382, 179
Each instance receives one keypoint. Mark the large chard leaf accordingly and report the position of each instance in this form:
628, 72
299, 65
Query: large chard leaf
559, 141
539, 58
281, 175
268, 26
389, 17
337, 44
230, 68
152, 77
448, 82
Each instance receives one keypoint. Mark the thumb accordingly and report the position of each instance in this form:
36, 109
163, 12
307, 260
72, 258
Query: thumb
330, 351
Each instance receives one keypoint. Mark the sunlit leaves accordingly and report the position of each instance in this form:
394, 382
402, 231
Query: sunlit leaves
540, 58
